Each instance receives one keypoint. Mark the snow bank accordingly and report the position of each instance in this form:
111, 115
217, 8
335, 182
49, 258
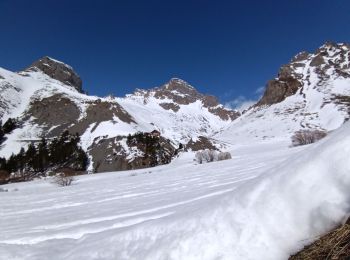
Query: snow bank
220, 210
268, 218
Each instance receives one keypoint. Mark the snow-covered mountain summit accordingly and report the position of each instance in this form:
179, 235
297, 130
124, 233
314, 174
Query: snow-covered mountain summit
310, 92
178, 92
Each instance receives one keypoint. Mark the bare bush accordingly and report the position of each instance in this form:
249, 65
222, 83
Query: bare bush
63, 180
211, 156
303, 137
224, 156
199, 157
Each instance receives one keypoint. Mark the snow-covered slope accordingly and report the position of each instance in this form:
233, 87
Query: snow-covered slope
311, 92
265, 203
46, 98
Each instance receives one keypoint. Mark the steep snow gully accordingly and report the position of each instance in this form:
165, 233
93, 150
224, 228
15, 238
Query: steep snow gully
265, 203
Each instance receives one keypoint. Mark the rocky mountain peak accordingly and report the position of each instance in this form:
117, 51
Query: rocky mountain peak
180, 86
330, 60
177, 92
59, 71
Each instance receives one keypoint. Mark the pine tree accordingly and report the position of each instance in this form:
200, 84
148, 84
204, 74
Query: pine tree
11, 164
30, 155
20, 158
81, 159
9, 125
43, 155
2, 163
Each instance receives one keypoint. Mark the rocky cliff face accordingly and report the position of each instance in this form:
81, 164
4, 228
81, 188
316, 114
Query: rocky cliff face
330, 60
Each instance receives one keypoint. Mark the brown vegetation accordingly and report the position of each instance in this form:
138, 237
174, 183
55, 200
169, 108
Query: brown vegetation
303, 137
332, 246
63, 180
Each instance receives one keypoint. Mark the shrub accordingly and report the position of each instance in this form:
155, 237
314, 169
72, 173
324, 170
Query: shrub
211, 156
199, 157
224, 156
303, 137
63, 180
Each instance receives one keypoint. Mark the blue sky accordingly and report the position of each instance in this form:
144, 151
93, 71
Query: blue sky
226, 48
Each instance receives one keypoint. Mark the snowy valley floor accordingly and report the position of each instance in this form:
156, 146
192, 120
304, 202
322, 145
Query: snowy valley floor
265, 203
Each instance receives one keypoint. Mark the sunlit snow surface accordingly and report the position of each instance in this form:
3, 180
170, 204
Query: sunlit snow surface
265, 203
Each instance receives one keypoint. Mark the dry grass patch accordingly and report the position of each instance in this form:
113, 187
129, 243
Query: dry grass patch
333, 246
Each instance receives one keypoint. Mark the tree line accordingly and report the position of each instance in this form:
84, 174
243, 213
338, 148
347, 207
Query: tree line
62, 151
10, 125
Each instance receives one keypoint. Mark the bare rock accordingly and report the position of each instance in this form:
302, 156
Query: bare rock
169, 106
110, 155
317, 61
201, 143
56, 110
277, 91
59, 71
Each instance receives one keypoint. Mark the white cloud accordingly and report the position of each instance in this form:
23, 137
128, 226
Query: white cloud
260, 91
240, 103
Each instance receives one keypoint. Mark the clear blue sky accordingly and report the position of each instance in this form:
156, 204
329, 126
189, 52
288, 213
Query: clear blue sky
225, 48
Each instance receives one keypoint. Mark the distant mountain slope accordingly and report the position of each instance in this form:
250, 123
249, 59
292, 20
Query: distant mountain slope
48, 98
310, 92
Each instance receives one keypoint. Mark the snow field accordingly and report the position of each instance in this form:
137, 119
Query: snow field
265, 203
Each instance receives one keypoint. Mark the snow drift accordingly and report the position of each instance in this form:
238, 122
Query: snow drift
243, 214
267, 218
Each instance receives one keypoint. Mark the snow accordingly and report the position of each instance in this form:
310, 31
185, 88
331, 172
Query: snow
265, 203
57, 61
20, 138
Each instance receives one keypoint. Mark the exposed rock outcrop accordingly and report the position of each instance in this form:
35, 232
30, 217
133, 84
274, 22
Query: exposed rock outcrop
59, 71
99, 111
201, 143
127, 153
293, 76
57, 111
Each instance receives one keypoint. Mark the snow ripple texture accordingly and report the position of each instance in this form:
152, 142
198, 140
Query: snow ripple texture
265, 203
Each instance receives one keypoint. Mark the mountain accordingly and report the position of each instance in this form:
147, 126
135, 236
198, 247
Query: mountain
267, 202
47, 98
312, 91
